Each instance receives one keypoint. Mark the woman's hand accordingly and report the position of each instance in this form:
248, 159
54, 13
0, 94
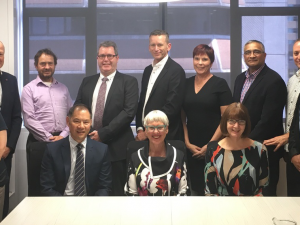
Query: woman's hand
193, 148
200, 154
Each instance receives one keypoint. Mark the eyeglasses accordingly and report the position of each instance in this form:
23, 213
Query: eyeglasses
255, 52
240, 122
160, 128
109, 56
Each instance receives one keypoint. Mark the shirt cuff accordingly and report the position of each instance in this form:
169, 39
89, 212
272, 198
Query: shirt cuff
64, 134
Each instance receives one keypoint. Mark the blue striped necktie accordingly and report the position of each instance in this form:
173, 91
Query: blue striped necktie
79, 172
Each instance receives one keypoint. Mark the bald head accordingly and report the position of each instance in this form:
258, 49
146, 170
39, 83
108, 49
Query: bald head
2, 51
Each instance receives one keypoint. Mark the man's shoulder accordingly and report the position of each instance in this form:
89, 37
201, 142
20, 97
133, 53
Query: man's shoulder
91, 78
125, 76
96, 144
8, 76
58, 144
173, 64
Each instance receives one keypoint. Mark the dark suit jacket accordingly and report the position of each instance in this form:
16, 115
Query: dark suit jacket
265, 101
167, 95
119, 111
11, 109
294, 138
56, 166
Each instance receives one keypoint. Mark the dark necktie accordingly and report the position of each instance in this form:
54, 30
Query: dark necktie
100, 105
79, 172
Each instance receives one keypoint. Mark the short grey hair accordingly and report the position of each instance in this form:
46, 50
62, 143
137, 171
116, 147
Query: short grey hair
159, 33
256, 41
106, 44
156, 116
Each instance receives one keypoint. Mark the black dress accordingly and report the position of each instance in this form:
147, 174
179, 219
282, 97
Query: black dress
203, 117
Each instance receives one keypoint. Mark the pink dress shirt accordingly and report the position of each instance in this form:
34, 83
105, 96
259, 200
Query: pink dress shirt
45, 108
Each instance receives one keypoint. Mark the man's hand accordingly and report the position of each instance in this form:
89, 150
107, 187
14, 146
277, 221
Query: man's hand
56, 138
141, 136
6, 152
94, 135
296, 161
278, 141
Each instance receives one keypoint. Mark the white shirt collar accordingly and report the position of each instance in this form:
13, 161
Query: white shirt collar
161, 62
298, 73
73, 143
109, 77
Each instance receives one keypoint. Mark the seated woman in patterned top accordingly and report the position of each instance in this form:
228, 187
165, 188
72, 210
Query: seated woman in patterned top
157, 169
236, 165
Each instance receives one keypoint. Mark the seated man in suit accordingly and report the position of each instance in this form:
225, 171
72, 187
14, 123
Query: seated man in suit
76, 165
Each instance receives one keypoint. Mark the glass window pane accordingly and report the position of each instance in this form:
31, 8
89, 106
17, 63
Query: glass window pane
278, 42
269, 3
192, 24
65, 36
56, 3
129, 27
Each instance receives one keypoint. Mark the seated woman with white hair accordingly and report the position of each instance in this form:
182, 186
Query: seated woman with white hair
157, 169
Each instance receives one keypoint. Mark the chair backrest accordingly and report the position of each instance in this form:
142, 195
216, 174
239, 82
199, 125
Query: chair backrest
133, 146
35, 153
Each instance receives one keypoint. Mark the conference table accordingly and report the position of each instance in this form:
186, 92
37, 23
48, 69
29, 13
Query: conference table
153, 210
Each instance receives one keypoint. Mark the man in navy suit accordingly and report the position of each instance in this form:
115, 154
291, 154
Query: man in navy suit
11, 113
263, 92
112, 98
76, 159
163, 86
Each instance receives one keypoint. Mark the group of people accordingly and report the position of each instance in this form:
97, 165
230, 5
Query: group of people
85, 142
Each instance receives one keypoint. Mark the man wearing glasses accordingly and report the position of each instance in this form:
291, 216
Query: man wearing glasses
263, 92
112, 98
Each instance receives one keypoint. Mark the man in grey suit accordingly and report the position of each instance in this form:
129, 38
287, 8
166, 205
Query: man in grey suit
163, 86
112, 98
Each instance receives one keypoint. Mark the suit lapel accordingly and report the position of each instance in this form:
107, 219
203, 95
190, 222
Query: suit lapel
91, 87
257, 80
160, 76
66, 155
89, 154
113, 89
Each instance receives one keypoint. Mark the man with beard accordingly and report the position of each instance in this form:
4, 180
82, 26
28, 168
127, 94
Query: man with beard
45, 104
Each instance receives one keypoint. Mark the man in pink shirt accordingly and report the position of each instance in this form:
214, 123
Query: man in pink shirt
45, 103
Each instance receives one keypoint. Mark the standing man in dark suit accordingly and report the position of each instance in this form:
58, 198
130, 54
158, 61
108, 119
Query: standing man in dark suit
11, 112
76, 165
263, 92
163, 85
112, 98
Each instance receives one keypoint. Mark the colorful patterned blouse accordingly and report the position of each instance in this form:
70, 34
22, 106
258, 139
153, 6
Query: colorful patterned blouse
238, 172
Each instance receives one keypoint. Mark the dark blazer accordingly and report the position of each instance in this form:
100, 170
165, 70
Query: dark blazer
11, 109
167, 95
265, 101
119, 111
56, 166
294, 138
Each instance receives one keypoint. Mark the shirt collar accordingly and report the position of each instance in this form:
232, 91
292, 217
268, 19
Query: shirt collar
298, 73
73, 143
255, 73
38, 80
109, 77
161, 62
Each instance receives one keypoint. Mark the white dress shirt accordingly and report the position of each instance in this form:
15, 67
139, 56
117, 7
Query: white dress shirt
293, 89
96, 91
157, 68
73, 150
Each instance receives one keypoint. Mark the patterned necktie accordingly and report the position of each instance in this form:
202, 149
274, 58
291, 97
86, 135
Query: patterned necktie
79, 172
100, 105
